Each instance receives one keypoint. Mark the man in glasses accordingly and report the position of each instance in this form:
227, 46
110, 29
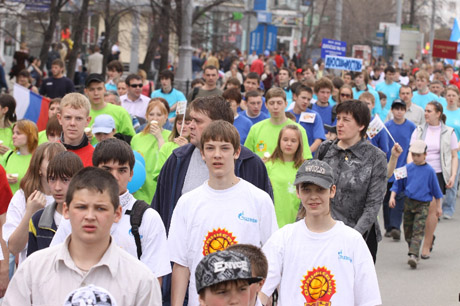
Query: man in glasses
134, 102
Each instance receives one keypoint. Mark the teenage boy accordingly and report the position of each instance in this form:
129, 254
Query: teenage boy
56, 86
45, 221
88, 256
259, 269
323, 90
116, 157
252, 83
94, 90
318, 260
401, 129
223, 211
308, 118
114, 73
74, 117
390, 89
423, 95
414, 113
168, 92
134, 101
224, 278
262, 137
284, 81
420, 186
210, 76
242, 124
254, 105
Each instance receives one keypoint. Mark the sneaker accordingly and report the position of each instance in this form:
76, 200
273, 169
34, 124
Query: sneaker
446, 217
412, 261
388, 234
396, 234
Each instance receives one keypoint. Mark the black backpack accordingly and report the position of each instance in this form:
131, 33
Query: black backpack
135, 219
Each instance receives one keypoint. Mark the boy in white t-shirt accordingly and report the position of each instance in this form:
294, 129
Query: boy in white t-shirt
318, 260
225, 210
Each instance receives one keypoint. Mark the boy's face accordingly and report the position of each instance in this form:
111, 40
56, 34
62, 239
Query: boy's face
95, 93
56, 70
91, 215
231, 293
73, 122
315, 199
398, 113
250, 85
418, 158
113, 74
103, 136
421, 83
122, 173
254, 290
276, 106
200, 121
283, 76
368, 103
219, 157
58, 187
323, 95
165, 84
210, 77
254, 105
230, 86
303, 100
389, 76
308, 74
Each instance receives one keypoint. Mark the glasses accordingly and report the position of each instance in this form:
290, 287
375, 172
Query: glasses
345, 95
135, 85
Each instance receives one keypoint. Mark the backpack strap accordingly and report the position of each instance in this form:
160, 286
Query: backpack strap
324, 149
195, 92
8, 157
135, 219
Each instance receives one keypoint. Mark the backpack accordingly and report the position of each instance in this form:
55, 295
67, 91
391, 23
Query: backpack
135, 219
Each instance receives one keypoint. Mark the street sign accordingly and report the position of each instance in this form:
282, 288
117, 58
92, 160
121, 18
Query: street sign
333, 47
272, 32
344, 63
264, 17
445, 49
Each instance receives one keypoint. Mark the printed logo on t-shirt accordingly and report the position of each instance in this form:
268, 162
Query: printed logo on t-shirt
318, 287
344, 257
291, 188
218, 240
261, 146
241, 216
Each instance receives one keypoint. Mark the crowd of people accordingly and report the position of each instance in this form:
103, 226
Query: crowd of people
260, 184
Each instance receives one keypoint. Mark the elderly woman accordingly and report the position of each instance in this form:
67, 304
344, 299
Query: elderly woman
360, 172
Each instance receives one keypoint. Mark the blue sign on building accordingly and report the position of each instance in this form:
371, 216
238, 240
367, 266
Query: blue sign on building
260, 5
272, 32
333, 47
263, 38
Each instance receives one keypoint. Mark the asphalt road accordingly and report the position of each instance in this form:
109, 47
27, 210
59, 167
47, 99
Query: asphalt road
436, 281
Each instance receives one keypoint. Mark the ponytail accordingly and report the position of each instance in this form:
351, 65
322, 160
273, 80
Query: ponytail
443, 118
8, 101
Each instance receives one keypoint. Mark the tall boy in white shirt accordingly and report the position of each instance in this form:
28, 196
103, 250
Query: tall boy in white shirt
225, 210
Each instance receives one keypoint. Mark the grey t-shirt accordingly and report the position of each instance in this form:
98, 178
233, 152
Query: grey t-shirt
197, 172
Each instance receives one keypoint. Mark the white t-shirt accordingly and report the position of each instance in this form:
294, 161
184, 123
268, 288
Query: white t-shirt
335, 266
152, 232
15, 213
206, 220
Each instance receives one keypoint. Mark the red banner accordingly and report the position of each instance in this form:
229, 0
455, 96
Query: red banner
445, 49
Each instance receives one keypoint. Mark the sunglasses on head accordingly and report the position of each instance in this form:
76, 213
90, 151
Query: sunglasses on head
135, 85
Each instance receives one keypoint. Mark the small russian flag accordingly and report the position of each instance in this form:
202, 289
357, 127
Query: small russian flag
32, 106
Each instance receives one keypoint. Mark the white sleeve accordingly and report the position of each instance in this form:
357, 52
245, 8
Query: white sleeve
19, 290
64, 230
178, 235
14, 214
268, 223
274, 251
366, 287
155, 253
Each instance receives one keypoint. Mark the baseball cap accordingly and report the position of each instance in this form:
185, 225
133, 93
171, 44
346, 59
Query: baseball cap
418, 147
316, 172
223, 266
103, 124
398, 102
94, 77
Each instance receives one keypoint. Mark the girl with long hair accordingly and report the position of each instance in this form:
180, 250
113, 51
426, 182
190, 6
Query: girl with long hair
7, 119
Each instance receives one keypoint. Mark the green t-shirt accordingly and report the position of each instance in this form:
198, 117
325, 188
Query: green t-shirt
42, 138
146, 144
16, 164
6, 135
165, 151
123, 122
263, 137
282, 177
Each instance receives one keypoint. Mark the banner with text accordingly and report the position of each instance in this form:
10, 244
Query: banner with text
344, 63
333, 47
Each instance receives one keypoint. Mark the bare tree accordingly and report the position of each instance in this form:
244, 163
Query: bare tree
79, 25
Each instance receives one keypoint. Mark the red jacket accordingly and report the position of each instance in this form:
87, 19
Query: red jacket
5, 192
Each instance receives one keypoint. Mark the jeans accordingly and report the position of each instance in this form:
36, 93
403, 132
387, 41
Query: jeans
2, 79
392, 217
448, 204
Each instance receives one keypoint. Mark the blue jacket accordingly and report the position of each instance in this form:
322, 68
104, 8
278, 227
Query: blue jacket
41, 229
172, 176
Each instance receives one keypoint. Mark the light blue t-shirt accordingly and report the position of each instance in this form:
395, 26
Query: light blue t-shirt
357, 93
172, 97
423, 100
453, 120
392, 92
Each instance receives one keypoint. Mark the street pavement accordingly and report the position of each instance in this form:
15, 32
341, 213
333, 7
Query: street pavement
436, 281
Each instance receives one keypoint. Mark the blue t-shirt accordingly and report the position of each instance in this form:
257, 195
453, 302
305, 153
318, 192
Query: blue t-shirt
263, 110
377, 107
254, 120
402, 134
382, 141
423, 100
421, 183
288, 96
324, 111
173, 97
443, 102
453, 120
392, 92
110, 87
314, 130
243, 125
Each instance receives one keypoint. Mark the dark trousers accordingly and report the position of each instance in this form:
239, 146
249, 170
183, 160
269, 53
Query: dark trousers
2, 79
371, 241
392, 217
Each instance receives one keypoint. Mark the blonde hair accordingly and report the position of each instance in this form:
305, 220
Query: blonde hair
75, 100
155, 102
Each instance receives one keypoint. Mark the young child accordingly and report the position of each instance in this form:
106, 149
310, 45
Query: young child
318, 260
260, 138
224, 278
88, 256
45, 222
282, 167
420, 186
223, 211
53, 130
423, 95
259, 266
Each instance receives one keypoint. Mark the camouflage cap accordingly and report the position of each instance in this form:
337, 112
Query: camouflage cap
223, 266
